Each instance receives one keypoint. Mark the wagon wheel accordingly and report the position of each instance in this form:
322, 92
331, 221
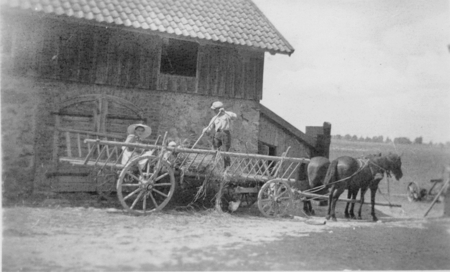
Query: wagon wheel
413, 192
105, 181
146, 185
275, 198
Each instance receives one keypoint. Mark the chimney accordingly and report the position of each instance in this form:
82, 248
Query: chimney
322, 135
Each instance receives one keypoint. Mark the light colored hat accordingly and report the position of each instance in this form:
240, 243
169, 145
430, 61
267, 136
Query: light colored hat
147, 130
172, 144
217, 105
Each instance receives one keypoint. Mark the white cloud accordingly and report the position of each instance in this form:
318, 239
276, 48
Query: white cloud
370, 68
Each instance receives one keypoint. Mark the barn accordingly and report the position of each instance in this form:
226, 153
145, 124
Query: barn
71, 66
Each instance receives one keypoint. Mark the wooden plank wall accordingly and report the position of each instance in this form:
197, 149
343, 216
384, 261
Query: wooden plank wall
229, 72
90, 54
62, 50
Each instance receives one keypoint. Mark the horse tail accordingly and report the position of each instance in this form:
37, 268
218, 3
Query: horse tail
330, 177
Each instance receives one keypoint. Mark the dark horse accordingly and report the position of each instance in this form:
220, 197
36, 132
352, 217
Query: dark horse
349, 173
317, 169
378, 175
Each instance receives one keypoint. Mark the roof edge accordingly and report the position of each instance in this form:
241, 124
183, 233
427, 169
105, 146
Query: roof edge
273, 26
293, 130
4, 4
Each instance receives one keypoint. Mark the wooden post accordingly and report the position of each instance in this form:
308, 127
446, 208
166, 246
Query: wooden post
437, 197
446, 179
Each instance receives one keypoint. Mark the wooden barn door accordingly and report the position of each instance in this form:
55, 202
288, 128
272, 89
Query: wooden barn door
102, 114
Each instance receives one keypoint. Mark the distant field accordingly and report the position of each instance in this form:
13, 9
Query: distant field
421, 163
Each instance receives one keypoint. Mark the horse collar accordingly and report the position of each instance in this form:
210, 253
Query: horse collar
383, 170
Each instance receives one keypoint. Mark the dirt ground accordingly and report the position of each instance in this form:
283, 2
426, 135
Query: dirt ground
62, 235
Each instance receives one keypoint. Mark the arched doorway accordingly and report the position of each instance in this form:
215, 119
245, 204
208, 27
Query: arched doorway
98, 114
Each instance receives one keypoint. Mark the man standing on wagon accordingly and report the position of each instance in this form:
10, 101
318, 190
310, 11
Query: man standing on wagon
220, 125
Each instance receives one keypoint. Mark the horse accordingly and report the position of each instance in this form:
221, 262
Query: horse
316, 171
349, 173
353, 190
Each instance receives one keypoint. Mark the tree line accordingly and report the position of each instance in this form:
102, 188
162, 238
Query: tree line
381, 139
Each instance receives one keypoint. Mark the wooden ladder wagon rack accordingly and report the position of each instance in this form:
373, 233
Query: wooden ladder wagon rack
275, 173
245, 166
74, 147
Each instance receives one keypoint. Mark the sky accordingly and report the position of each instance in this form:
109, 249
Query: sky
369, 67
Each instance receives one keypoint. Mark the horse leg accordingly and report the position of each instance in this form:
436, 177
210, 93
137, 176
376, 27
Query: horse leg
363, 192
310, 209
330, 199
373, 192
335, 197
347, 215
307, 207
352, 207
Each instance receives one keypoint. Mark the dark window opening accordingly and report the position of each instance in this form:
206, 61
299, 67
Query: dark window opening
268, 150
179, 58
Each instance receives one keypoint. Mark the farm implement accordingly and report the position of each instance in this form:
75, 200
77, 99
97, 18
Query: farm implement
434, 194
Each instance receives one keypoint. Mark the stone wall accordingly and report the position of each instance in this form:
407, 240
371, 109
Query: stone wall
28, 123
273, 134
184, 116
19, 108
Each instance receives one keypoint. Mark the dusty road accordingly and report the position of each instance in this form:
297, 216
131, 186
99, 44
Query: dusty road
67, 238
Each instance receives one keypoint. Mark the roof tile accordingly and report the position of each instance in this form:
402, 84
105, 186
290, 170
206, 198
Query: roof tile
48, 9
118, 21
99, 18
237, 22
127, 22
69, 12
153, 26
109, 19
136, 24
140, 18
102, 4
59, 10
79, 14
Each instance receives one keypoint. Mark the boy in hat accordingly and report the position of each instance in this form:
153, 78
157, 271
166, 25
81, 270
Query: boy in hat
220, 125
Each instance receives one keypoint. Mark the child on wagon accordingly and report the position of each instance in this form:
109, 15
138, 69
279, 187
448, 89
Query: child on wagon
136, 134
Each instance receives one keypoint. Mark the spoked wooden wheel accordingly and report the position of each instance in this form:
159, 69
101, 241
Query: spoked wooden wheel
146, 185
413, 192
275, 198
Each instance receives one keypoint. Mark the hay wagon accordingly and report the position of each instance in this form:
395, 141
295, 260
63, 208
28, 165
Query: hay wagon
146, 183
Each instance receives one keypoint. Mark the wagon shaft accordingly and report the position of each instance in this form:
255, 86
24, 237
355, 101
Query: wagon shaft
304, 194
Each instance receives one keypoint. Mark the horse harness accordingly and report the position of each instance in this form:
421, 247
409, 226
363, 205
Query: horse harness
383, 170
362, 164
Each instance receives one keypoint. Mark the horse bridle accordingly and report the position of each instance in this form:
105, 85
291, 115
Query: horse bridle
383, 170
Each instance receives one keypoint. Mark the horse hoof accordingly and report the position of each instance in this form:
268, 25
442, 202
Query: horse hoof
327, 217
313, 212
347, 216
